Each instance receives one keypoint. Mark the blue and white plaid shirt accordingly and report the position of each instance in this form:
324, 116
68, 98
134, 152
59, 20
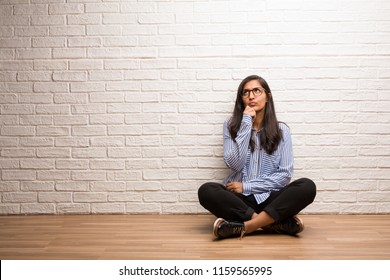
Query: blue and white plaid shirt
259, 172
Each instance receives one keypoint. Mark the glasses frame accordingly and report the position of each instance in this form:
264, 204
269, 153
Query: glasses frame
246, 92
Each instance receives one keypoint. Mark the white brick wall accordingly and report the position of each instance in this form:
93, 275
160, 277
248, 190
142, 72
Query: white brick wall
117, 106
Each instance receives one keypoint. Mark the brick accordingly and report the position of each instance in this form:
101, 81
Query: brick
36, 98
179, 209
101, 7
19, 87
124, 108
53, 64
37, 208
77, 76
70, 164
125, 197
50, 87
142, 140
36, 164
105, 75
162, 174
69, 53
70, 98
53, 109
9, 209
18, 131
54, 197
120, 41
143, 7
108, 186
52, 175
47, 20
73, 208
109, 141
108, 30
143, 208
7, 65
48, 42
15, 153
30, 9
106, 119
9, 164
89, 197
88, 175
72, 186
86, 87
159, 152
119, 19
141, 75
53, 152
37, 186
108, 208
8, 120
85, 64
120, 64
143, 186
159, 197
107, 164
124, 130
76, 19
17, 109
29, 31
15, 175
89, 152
88, 130
70, 8
15, 42
72, 141
52, 131
140, 164
8, 98
124, 152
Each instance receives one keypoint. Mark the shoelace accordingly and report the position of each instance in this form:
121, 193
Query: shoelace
237, 230
281, 227
240, 231
242, 234
277, 227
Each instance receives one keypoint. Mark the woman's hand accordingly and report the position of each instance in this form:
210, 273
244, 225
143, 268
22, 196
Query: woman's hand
250, 111
235, 187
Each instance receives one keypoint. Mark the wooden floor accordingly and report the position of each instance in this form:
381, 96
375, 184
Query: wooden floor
188, 237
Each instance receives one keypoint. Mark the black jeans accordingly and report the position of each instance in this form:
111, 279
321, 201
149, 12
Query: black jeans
236, 207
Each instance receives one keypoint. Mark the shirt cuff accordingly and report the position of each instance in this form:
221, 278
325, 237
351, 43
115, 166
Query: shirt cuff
247, 119
246, 188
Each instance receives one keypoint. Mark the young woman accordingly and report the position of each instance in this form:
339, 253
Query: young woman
258, 151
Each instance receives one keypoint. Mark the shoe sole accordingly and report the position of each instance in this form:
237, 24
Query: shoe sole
216, 226
300, 222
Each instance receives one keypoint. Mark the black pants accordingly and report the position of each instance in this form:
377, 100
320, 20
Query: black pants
236, 207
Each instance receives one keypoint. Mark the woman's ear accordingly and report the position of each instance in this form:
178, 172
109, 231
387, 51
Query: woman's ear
269, 96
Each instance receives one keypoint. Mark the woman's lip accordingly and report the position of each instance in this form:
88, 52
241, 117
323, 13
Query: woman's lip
252, 104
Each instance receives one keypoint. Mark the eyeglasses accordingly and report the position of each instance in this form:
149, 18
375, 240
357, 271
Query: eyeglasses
255, 91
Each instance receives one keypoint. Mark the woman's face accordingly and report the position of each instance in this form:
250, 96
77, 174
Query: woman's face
254, 95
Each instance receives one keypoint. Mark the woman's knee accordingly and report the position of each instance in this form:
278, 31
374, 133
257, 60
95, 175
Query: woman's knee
310, 188
205, 191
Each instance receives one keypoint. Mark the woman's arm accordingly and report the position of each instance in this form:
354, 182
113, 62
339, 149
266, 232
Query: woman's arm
236, 150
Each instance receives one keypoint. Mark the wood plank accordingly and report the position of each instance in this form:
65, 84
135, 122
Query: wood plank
143, 237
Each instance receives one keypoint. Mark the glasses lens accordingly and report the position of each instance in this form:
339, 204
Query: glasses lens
257, 91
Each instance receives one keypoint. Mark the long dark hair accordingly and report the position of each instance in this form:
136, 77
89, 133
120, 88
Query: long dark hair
271, 134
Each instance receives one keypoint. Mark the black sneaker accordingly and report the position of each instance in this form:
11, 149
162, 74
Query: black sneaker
290, 226
225, 229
